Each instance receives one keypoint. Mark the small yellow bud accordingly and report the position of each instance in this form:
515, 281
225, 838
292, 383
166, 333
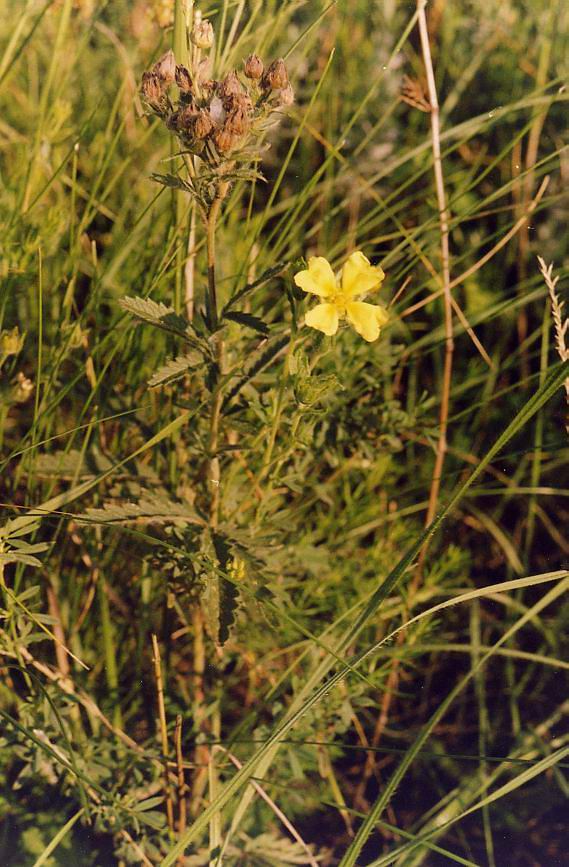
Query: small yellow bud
22, 389
11, 342
202, 34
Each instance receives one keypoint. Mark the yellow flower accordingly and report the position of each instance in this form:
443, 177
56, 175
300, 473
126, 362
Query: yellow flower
358, 278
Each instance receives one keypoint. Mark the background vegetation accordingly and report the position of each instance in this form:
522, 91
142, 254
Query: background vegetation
361, 742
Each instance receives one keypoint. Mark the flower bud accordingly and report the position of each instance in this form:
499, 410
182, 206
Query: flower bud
276, 76
202, 34
254, 67
165, 68
22, 389
183, 79
287, 96
11, 342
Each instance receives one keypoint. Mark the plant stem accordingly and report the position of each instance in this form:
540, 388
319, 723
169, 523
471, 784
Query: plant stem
447, 297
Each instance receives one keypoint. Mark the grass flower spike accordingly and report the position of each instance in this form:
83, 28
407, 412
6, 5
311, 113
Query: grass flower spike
358, 277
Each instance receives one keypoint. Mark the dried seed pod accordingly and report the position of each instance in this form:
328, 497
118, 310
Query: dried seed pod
286, 96
230, 86
165, 68
153, 90
224, 140
237, 122
202, 125
183, 79
254, 67
202, 34
276, 76
186, 117
238, 101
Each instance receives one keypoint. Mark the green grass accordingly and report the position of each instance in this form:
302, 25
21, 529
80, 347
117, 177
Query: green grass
363, 709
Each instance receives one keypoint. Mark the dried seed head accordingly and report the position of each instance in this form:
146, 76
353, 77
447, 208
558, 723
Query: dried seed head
202, 34
230, 86
202, 125
239, 101
254, 67
183, 79
224, 140
152, 89
287, 96
165, 68
185, 118
237, 122
276, 76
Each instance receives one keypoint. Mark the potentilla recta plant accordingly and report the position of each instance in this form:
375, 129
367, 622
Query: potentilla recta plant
213, 559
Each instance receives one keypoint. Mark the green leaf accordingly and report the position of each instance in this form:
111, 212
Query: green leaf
174, 370
157, 314
260, 281
149, 510
172, 181
248, 320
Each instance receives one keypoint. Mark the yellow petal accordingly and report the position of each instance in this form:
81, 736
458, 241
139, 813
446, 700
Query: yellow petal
360, 276
318, 278
367, 319
323, 317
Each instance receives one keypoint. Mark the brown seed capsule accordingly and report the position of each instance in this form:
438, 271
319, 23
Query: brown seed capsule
224, 140
286, 96
230, 86
152, 89
183, 79
276, 76
165, 68
237, 122
185, 118
203, 125
254, 67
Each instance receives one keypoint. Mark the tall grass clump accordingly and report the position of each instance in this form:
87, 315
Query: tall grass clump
283, 440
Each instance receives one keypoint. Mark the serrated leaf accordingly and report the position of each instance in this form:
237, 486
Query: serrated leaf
156, 313
220, 596
174, 370
248, 320
260, 359
150, 510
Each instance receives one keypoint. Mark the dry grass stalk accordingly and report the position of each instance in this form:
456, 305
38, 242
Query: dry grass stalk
163, 730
